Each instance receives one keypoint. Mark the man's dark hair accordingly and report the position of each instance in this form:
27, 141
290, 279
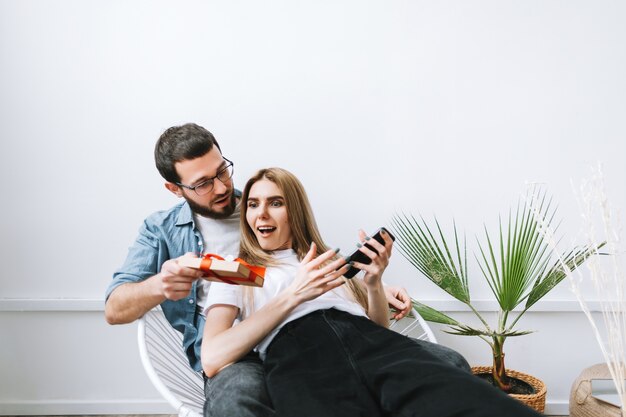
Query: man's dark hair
180, 143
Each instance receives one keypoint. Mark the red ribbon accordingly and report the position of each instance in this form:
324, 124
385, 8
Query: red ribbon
259, 270
205, 265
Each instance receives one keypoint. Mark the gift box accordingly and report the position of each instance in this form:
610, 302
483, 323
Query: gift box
236, 272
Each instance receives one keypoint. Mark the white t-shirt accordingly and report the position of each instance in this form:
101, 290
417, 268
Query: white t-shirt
219, 237
278, 278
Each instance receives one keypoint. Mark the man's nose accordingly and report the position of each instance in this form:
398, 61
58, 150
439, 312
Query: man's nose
219, 187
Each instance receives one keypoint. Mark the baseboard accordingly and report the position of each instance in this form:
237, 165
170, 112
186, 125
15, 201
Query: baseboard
557, 408
51, 304
79, 407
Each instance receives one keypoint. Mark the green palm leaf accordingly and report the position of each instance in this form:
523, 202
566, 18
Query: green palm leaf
465, 330
522, 255
432, 315
433, 257
557, 273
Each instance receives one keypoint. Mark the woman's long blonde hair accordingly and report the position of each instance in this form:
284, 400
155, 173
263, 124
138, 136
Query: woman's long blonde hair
301, 222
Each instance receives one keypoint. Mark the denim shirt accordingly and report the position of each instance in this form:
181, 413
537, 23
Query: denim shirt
167, 235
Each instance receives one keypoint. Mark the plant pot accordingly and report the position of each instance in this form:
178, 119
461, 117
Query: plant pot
537, 400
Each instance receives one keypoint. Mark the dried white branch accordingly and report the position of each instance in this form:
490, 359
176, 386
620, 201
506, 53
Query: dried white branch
606, 273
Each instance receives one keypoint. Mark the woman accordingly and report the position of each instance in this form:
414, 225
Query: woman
326, 347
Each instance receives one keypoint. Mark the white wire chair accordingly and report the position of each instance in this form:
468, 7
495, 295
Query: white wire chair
167, 367
414, 326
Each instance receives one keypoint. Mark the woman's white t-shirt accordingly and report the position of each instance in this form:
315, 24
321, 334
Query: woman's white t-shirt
277, 278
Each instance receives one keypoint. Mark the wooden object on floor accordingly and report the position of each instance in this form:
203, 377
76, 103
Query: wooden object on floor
582, 403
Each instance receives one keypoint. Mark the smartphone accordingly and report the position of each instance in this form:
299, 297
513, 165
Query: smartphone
358, 256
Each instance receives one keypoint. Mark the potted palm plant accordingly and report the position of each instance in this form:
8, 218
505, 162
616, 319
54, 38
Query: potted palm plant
518, 266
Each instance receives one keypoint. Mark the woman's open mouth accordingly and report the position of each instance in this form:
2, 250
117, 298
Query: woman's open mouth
265, 231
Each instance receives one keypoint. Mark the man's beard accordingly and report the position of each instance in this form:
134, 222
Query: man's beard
212, 214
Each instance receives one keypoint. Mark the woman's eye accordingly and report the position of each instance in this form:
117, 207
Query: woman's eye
277, 203
252, 204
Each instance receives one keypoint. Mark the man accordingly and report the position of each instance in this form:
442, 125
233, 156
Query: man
190, 160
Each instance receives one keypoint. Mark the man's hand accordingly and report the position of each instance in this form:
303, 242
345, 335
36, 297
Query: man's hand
132, 300
176, 280
399, 299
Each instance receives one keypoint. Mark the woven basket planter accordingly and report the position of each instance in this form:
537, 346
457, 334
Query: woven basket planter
536, 401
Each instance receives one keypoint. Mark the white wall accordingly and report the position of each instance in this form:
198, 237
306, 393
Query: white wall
442, 107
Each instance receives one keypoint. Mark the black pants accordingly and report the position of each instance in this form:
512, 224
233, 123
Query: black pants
331, 363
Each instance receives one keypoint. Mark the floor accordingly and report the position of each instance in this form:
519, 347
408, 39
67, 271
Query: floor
139, 415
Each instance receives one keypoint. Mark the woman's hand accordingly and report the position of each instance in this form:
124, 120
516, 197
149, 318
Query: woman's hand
378, 309
374, 270
314, 278
399, 300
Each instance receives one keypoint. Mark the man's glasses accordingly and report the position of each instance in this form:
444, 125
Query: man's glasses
206, 186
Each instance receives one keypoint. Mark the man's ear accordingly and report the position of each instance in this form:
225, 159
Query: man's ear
174, 189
